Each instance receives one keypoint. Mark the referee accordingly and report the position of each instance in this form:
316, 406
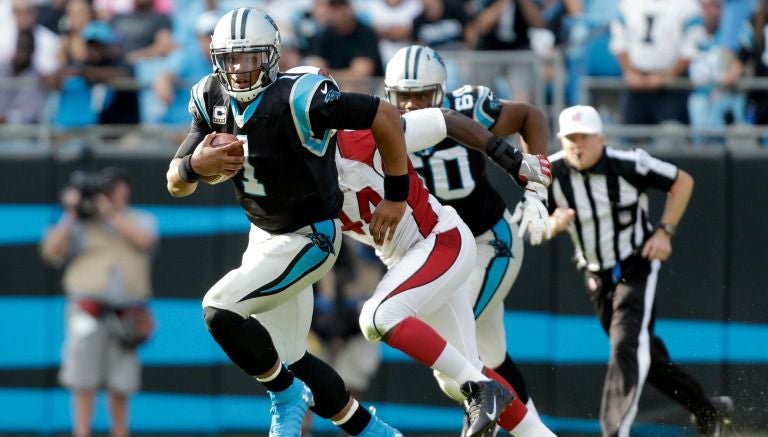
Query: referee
598, 195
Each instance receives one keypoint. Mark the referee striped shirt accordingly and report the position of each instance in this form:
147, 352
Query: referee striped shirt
610, 201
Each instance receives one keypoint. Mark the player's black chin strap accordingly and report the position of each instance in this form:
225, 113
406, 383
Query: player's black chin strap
506, 156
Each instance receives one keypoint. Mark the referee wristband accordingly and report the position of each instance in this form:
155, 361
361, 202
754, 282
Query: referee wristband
396, 187
668, 228
186, 172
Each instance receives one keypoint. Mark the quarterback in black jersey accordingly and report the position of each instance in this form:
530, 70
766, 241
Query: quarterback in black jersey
416, 78
282, 167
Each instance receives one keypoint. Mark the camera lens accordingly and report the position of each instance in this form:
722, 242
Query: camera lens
88, 184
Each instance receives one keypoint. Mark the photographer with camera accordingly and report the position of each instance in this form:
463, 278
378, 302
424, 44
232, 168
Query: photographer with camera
105, 247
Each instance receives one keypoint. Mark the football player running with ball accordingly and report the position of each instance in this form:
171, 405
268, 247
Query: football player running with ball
286, 182
416, 78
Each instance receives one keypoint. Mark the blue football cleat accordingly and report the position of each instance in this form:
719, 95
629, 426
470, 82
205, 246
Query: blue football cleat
289, 408
378, 428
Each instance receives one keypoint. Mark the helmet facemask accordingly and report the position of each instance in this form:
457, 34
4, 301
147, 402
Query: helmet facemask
396, 93
246, 71
245, 48
415, 70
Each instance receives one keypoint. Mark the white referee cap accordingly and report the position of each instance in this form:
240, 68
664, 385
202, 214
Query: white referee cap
580, 119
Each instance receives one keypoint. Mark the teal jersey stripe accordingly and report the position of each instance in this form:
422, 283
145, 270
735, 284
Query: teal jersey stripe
301, 100
327, 228
498, 268
309, 261
692, 22
197, 97
249, 110
479, 114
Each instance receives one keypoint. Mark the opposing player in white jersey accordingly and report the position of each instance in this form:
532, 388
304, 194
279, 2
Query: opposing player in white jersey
421, 305
416, 78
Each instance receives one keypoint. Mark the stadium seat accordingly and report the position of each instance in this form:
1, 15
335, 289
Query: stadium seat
599, 60
74, 104
601, 11
177, 112
151, 108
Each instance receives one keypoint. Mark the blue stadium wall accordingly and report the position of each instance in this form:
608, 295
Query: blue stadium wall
712, 303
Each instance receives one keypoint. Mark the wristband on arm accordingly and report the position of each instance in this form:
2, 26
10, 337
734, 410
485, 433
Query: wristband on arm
668, 228
186, 172
506, 156
396, 187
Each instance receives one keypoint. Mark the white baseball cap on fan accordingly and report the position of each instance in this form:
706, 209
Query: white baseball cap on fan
580, 119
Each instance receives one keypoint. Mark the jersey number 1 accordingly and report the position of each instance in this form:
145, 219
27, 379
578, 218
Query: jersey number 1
251, 185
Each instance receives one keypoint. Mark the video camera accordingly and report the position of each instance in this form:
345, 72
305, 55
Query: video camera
88, 184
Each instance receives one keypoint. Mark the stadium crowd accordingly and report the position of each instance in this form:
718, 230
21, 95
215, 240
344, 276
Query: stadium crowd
79, 62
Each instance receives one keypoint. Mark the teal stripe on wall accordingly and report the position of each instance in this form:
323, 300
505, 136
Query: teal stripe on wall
25, 224
47, 411
182, 339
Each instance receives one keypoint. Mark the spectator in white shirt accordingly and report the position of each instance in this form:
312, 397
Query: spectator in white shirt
392, 21
653, 42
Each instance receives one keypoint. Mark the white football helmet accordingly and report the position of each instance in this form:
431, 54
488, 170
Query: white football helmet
245, 47
416, 69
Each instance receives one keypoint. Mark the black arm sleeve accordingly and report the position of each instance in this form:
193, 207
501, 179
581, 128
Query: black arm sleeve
344, 111
197, 131
190, 142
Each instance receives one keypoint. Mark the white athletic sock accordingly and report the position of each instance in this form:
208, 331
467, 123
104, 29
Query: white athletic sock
455, 365
349, 414
532, 408
271, 376
531, 426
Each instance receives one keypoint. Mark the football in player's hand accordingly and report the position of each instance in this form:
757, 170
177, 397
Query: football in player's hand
222, 139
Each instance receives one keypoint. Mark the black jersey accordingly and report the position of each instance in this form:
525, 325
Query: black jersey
456, 174
289, 178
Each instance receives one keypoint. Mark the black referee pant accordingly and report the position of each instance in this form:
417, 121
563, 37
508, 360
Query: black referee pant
627, 313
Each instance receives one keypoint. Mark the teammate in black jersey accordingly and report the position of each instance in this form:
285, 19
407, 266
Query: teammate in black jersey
286, 181
416, 78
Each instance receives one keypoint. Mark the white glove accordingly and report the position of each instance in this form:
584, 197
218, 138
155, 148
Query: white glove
535, 168
533, 214
523, 167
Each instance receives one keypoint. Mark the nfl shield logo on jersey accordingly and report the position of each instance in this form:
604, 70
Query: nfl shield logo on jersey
625, 217
220, 114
